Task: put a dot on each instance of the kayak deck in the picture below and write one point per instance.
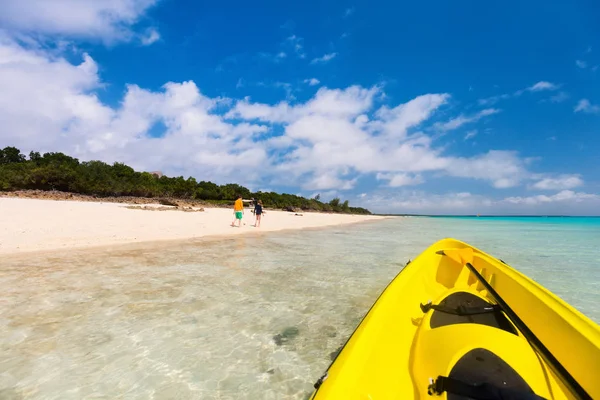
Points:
(436, 319)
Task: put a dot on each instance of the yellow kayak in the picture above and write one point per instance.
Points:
(457, 323)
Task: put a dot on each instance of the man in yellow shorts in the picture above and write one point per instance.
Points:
(238, 210)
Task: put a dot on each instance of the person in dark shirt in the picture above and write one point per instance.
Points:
(258, 211)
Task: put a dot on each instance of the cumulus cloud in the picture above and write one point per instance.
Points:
(502, 168)
(565, 202)
(328, 142)
(563, 196)
(396, 121)
(91, 19)
(338, 132)
(330, 102)
(48, 104)
(398, 180)
(312, 81)
(327, 181)
(42, 96)
(559, 183)
(420, 202)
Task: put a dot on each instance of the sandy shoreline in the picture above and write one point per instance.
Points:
(32, 225)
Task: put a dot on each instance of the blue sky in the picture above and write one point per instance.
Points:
(436, 107)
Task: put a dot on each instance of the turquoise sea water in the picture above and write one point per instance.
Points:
(255, 317)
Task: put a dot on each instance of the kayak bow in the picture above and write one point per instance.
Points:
(458, 323)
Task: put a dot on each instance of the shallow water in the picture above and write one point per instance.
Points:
(254, 317)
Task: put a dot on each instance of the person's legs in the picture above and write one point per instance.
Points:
(257, 224)
(238, 216)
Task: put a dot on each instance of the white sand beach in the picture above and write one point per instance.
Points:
(37, 225)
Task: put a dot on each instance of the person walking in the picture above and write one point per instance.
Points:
(238, 211)
(258, 211)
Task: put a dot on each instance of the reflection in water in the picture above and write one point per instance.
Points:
(247, 317)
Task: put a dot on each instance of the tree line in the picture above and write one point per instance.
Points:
(58, 171)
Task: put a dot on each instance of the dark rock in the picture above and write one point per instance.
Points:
(168, 202)
(334, 354)
(287, 335)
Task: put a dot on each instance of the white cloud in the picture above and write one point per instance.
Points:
(396, 121)
(330, 102)
(332, 133)
(312, 81)
(324, 59)
(471, 134)
(565, 202)
(581, 64)
(563, 196)
(542, 85)
(335, 134)
(461, 119)
(151, 36)
(398, 180)
(419, 202)
(559, 97)
(110, 21)
(504, 169)
(48, 104)
(559, 183)
(585, 106)
(40, 91)
(329, 141)
(537, 87)
(492, 100)
(327, 181)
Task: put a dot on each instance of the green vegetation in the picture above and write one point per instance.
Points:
(57, 171)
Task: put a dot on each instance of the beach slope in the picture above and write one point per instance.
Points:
(36, 225)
